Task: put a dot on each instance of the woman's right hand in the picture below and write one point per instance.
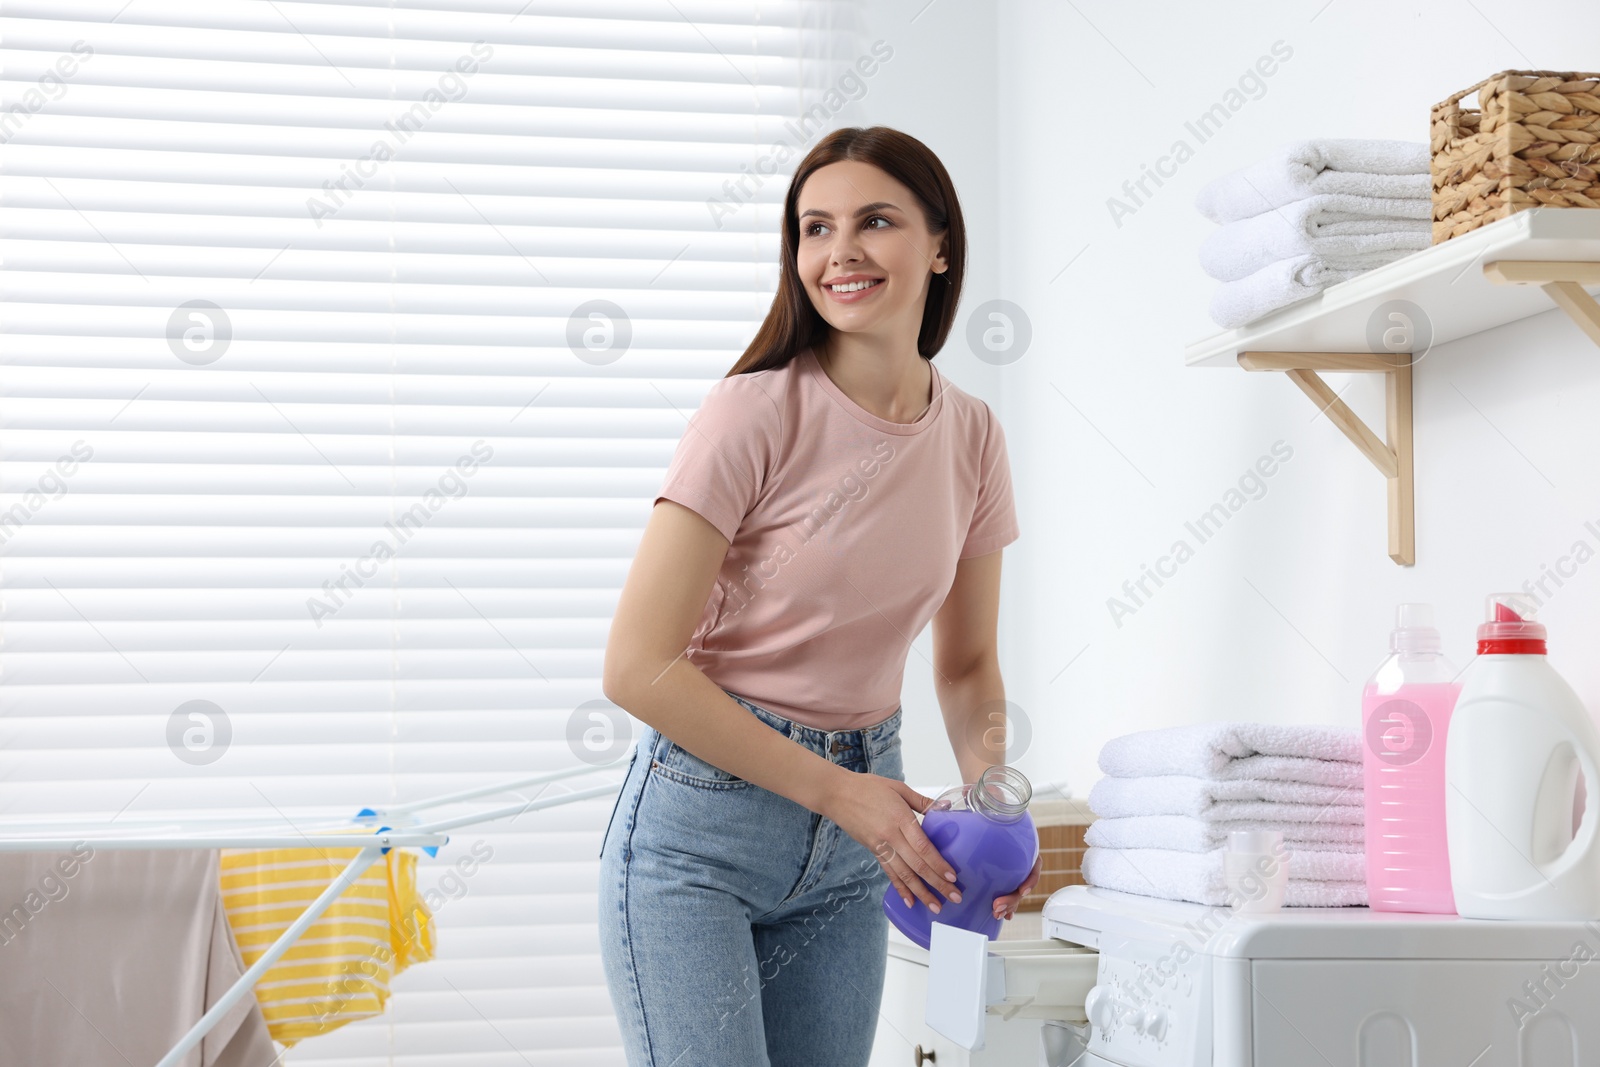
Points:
(881, 813)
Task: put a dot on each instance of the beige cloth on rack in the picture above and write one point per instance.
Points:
(108, 958)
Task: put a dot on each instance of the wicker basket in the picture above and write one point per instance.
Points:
(1061, 822)
(1533, 142)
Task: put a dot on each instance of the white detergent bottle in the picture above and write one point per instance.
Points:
(1518, 740)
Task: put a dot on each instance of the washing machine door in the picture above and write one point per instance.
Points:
(1064, 1044)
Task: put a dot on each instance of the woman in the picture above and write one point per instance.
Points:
(832, 495)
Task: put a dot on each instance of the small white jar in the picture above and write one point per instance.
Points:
(1255, 868)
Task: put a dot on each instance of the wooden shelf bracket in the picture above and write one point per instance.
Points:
(1563, 281)
(1391, 454)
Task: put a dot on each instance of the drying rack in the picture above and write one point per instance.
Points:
(406, 831)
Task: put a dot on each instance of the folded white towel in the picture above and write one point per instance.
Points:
(1277, 285)
(1236, 751)
(1316, 879)
(1313, 227)
(1206, 798)
(1185, 833)
(1307, 168)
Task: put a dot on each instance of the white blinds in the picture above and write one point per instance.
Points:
(297, 418)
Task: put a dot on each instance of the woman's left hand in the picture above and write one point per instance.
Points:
(1005, 907)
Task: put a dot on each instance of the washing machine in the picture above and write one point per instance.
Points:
(1130, 981)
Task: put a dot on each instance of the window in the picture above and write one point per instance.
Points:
(345, 345)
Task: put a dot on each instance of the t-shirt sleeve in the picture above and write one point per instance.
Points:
(994, 520)
(722, 459)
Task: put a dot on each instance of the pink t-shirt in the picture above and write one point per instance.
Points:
(843, 528)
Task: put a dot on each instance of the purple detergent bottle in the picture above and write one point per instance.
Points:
(984, 831)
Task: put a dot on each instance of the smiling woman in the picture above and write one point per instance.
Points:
(769, 788)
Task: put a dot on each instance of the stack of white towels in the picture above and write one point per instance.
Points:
(1315, 213)
(1172, 796)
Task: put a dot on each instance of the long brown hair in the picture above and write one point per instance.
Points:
(793, 322)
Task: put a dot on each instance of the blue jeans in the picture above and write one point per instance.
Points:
(738, 928)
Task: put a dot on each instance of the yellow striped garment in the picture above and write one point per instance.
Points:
(339, 969)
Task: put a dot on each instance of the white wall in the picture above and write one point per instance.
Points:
(1284, 613)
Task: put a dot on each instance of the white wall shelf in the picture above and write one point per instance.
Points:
(1468, 284)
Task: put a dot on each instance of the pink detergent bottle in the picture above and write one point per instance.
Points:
(1405, 716)
(984, 831)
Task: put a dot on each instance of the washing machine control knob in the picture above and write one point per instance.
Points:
(1155, 1023)
(1107, 1011)
(1101, 1007)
